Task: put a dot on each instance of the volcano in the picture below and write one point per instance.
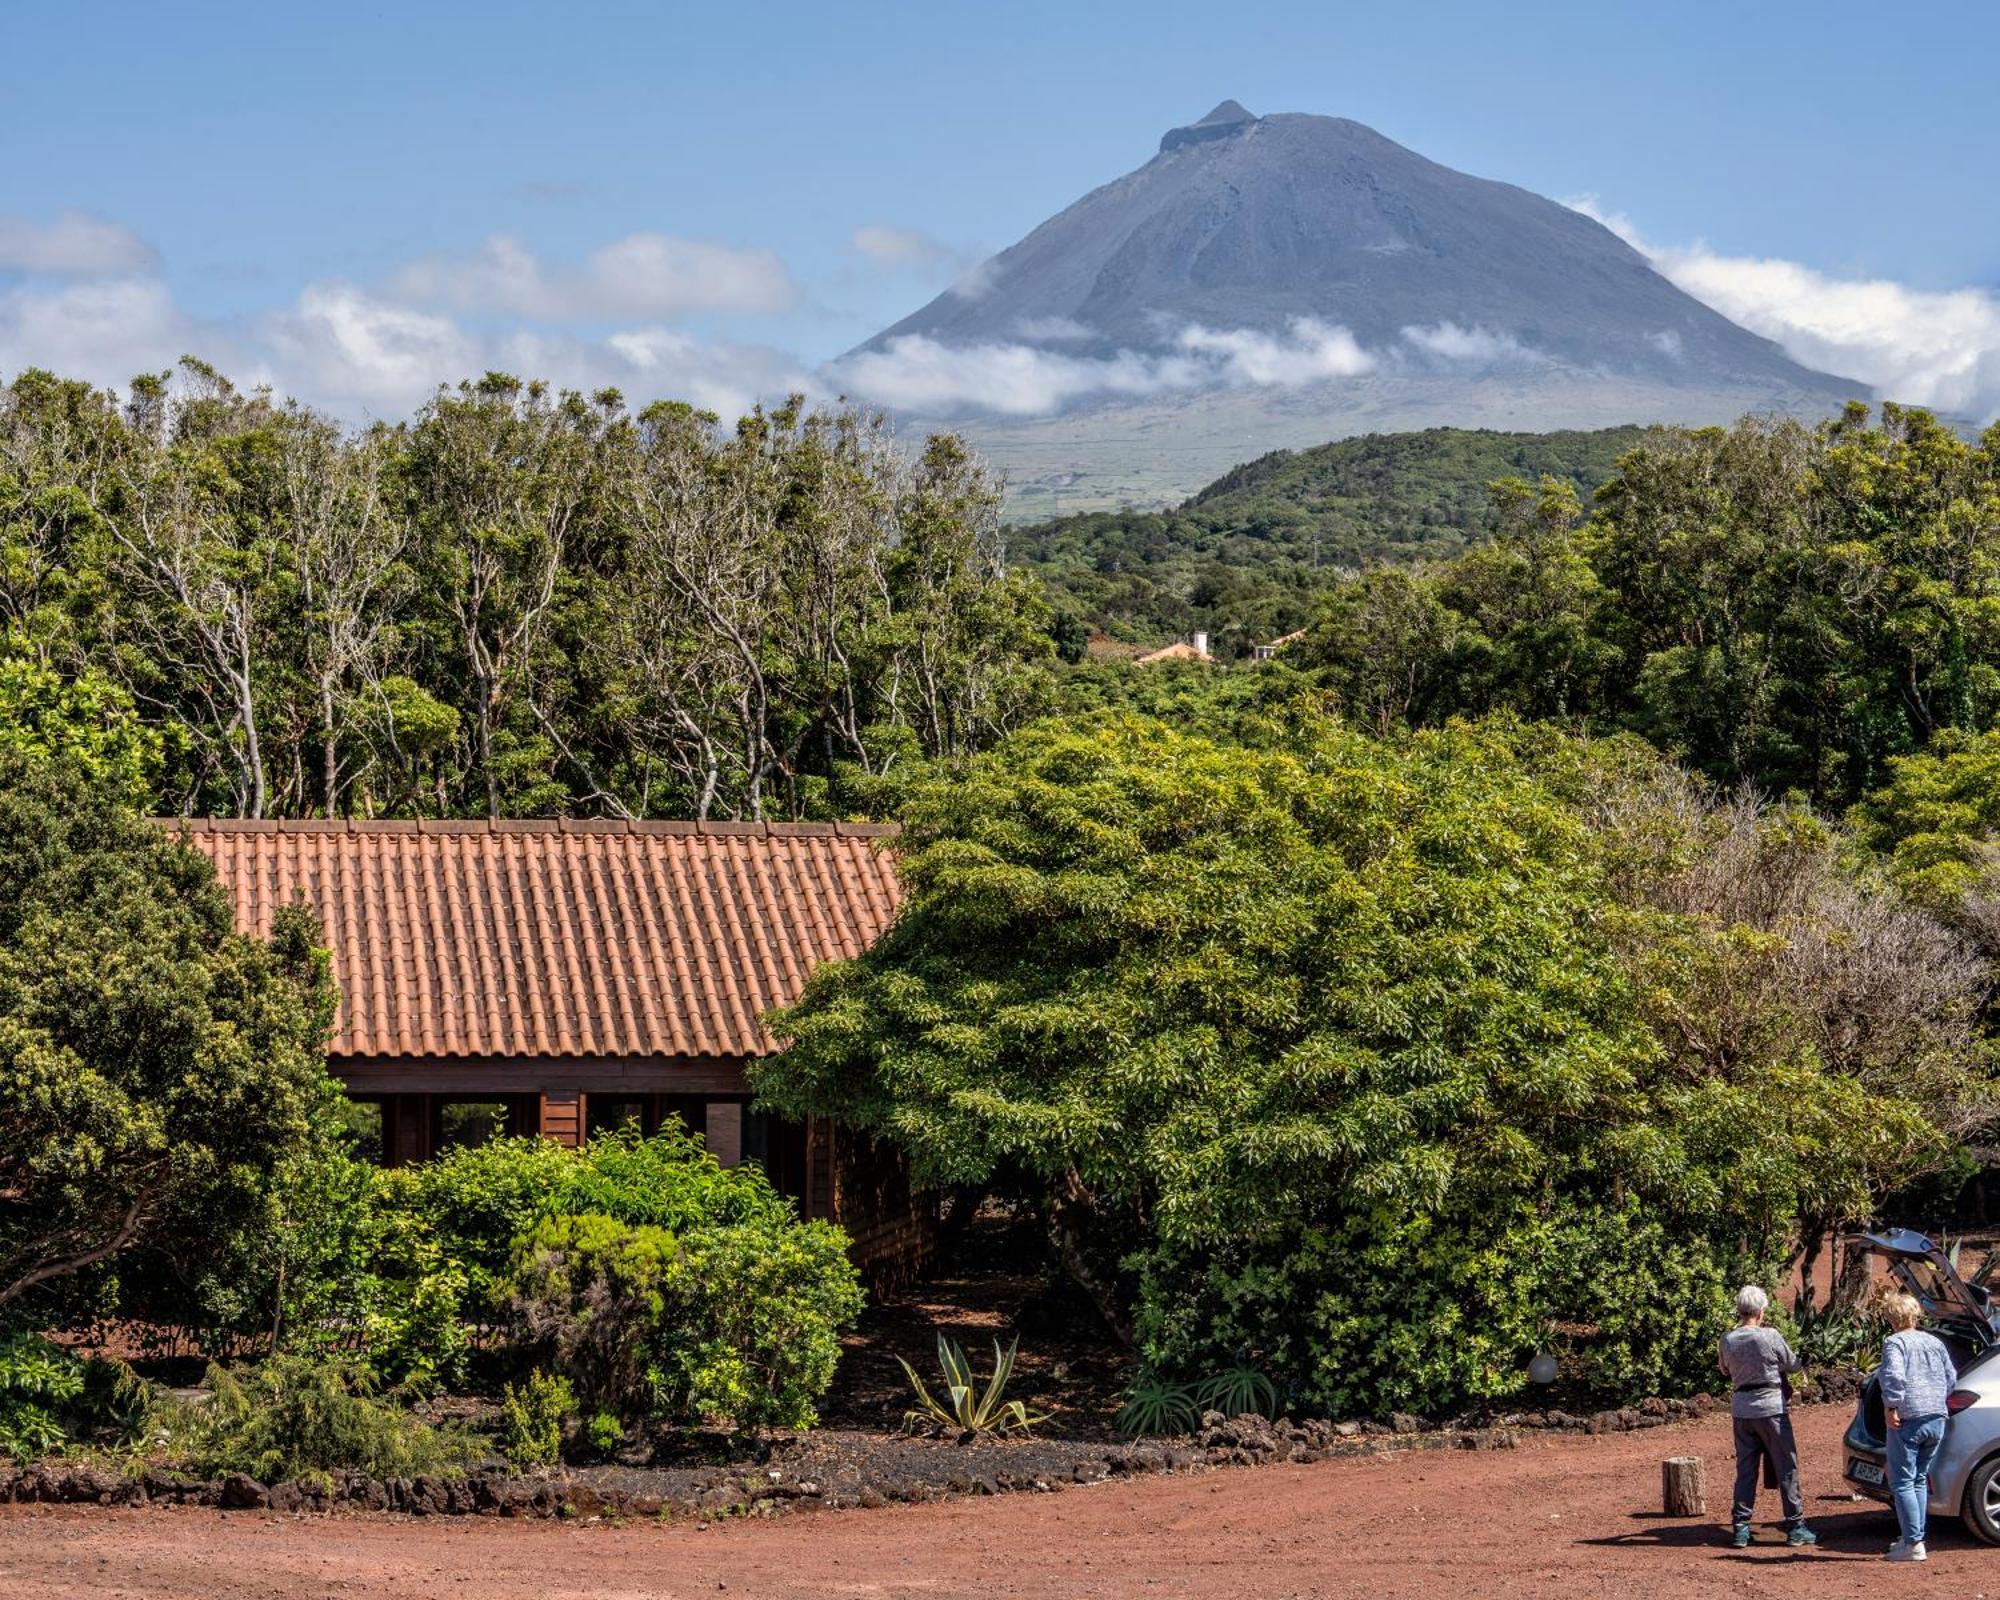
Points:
(1288, 279)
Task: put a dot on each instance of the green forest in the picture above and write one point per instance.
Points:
(520, 603)
(1571, 924)
(1243, 558)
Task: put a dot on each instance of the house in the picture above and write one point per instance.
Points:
(1264, 652)
(1192, 648)
(568, 978)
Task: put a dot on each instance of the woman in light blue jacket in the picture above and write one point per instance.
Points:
(1916, 1375)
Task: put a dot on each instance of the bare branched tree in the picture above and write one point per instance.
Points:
(347, 548)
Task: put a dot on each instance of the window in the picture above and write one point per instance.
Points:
(607, 1113)
(465, 1122)
(363, 1121)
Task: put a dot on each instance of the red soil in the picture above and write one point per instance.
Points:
(1557, 1517)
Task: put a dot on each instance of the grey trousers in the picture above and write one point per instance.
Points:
(1760, 1440)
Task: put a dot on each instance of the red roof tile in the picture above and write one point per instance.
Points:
(562, 939)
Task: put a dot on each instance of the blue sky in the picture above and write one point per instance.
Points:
(309, 193)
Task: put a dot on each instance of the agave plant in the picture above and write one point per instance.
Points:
(1238, 1390)
(966, 1407)
(1152, 1408)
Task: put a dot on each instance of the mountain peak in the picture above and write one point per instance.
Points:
(1253, 248)
(1226, 119)
(1228, 111)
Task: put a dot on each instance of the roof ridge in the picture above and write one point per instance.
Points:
(643, 827)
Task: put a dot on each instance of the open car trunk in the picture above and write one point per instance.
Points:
(1961, 1313)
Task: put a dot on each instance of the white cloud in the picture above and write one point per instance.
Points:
(642, 275)
(900, 247)
(976, 281)
(720, 377)
(1053, 330)
(1314, 352)
(343, 348)
(73, 244)
(920, 374)
(104, 332)
(1447, 341)
(354, 352)
(1938, 348)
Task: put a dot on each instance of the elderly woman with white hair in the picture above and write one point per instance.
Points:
(1757, 1359)
(1916, 1375)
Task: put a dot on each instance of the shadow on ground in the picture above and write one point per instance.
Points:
(1848, 1530)
(992, 1281)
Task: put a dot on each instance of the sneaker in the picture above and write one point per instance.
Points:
(1803, 1536)
(1905, 1550)
(1741, 1537)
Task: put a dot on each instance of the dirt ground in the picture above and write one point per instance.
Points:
(1566, 1516)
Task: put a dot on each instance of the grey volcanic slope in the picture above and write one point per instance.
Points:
(1252, 222)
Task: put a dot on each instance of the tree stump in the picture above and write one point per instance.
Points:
(1681, 1487)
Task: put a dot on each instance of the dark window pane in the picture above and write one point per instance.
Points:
(607, 1113)
(470, 1122)
(363, 1121)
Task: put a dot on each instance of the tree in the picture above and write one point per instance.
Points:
(525, 602)
(149, 1055)
(1935, 821)
(1341, 1054)
(1778, 605)
(797, 598)
(1192, 988)
(347, 548)
(1389, 648)
(88, 723)
(192, 547)
(496, 472)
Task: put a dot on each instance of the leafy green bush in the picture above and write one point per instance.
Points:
(416, 1326)
(290, 1417)
(1394, 1313)
(604, 1433)
(532, 1418)
(450, 1228)
(463, 1212)
(38, 1382)
(738, 1323)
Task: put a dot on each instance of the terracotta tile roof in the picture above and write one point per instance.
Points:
(1179, 650)
(593, 939)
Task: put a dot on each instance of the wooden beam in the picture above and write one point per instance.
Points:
(477, 1077)
(562, 1117)
(724, 1132)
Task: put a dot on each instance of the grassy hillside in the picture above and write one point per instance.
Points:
(1242, 557)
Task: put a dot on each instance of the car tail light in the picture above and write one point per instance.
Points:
(1958, 1400)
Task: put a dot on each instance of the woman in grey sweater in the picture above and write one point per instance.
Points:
(1916, 1375)
(1757, 1360)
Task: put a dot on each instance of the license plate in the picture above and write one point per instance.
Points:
(1865, 1472)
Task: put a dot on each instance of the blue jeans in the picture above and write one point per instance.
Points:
(1912, 1448)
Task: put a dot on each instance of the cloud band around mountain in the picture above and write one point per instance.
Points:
(85, 296)
(1936, 348)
